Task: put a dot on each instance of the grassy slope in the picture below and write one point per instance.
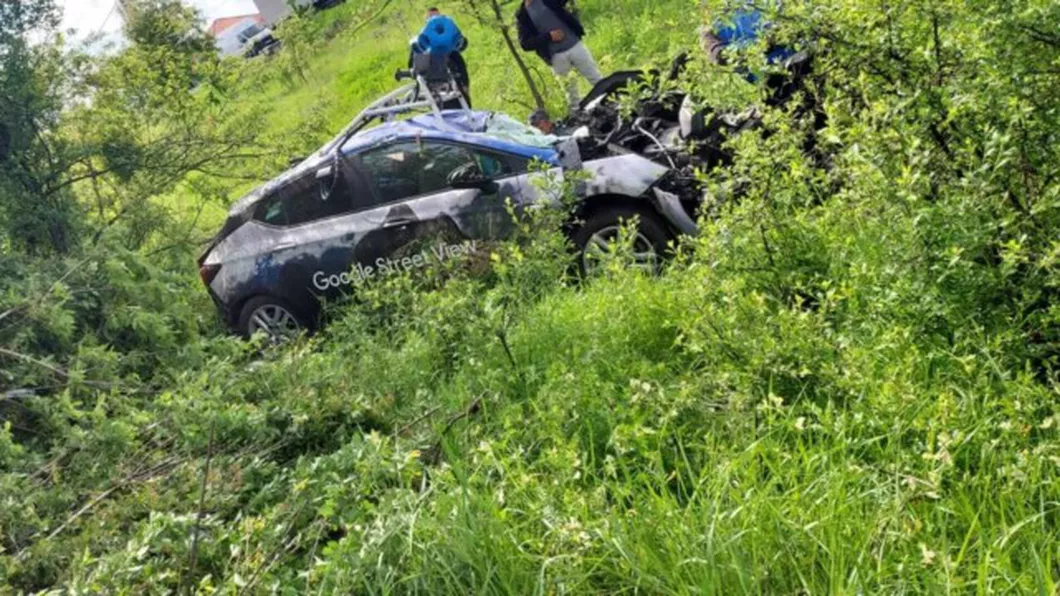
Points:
(699, 433)
(786, 490)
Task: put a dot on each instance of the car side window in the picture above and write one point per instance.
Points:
(493, 166)
(514, 164)
(498, 165)
(408, 169)
(439, 160)
(393, 171)
(306, 199)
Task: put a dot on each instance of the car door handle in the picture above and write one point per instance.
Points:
(399, 222)
(284, 246)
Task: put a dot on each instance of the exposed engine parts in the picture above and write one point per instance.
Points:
(635, 112)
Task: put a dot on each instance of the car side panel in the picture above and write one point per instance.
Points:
(412, 234)
(319, 260)
(261, 260)
(305, 263)
(626, 175)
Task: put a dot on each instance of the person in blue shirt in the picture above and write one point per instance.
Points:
(442, 38)
(742, 28)
(739, 30)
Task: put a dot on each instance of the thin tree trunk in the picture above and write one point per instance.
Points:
(538, 98)
(190, 575)
(506, 33)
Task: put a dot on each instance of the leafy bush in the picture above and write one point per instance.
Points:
(846, 383)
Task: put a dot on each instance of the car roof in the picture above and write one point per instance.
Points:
(460, 126)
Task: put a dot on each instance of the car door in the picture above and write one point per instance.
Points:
(314, 223)
(420, 218)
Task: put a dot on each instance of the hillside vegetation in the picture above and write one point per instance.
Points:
(846, 384)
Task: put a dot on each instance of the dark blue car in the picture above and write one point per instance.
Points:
(345, 214)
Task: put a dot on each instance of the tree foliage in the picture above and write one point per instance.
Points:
(492, 14)
(845, 384)
(90, 140)
(38, 211)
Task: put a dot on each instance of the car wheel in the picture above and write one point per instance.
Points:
(271, 316)
(597, 239)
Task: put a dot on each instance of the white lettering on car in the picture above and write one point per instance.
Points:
(316, 281)
(385, 266)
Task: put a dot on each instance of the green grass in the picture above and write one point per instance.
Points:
(839, 387)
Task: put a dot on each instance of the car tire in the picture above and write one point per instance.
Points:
(277, 319)
(594, 237)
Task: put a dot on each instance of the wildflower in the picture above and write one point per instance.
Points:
(927, 556)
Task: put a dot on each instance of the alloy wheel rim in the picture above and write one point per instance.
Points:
(275, 321)
(601, 246)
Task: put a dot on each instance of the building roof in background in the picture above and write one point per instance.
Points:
(218, 26)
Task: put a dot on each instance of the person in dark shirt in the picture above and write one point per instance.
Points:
(540, 120)
(555, 34)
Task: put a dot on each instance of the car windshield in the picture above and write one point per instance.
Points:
(250, 31)
(506, 128)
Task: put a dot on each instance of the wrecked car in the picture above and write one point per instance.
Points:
(344, 214)
(647, 113)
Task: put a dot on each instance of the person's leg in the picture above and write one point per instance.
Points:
(583, 60)
(562, 64)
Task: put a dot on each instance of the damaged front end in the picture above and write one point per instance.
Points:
(624, 114)
(678, 196)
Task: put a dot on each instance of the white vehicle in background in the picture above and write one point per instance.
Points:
(275, 11)
(255, 40)
(242, 35)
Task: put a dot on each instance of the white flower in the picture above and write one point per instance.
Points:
(927, 556)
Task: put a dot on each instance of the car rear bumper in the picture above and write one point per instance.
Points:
(224, 310)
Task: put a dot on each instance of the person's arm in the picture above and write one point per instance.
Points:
(567, 11)
(712, 45)
(529, 38)
(461, 45)
(568, 5)
(524, 35)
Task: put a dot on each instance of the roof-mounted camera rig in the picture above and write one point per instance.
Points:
(432, 89)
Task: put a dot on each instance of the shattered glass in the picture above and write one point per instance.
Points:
(506, 128)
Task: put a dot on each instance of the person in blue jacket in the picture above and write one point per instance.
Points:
(741, 28)
(738, 30)
(443, 40)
